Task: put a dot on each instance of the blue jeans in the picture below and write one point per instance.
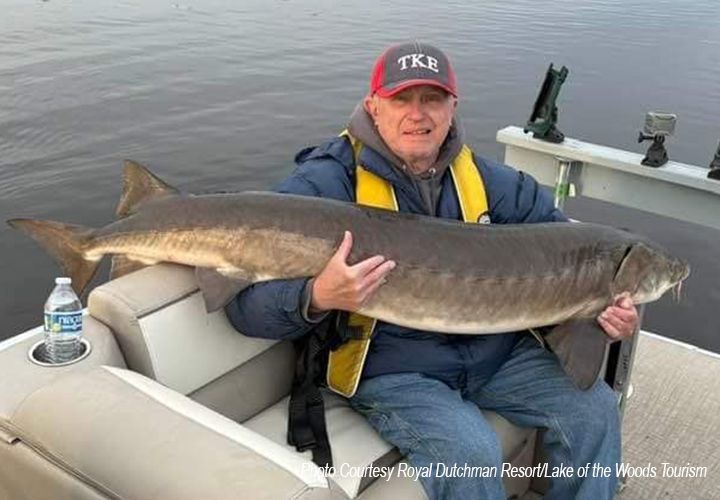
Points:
(433, 423)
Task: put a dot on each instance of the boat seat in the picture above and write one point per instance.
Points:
(127, 437)
(158, 317)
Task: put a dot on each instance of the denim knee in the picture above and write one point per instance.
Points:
(599, 409)
(432, 425)
(592, 424)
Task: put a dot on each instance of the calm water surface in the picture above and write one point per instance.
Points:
(219, 95)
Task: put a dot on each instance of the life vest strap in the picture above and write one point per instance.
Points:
(346, 363)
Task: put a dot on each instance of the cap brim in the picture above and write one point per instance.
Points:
(390, 91)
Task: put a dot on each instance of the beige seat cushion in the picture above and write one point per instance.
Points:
(131, 438)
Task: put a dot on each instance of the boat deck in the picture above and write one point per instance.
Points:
(673, 416)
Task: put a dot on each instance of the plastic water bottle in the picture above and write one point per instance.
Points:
(63, 323)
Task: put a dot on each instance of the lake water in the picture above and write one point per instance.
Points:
(219, 95)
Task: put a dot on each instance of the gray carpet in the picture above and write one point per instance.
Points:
(673, 416)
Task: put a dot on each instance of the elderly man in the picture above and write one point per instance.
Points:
(421, 391)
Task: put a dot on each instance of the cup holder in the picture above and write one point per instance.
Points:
(38, 354)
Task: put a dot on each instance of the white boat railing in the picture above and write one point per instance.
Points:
(674, 190)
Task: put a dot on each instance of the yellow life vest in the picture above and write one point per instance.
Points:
(345, 364)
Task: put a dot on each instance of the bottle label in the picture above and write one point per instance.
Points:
(63, 322)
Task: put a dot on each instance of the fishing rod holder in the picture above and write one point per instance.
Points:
(657, 127)
(565, 187)
(544, 116)
(715, 166)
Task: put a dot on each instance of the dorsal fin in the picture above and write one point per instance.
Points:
(139, 184)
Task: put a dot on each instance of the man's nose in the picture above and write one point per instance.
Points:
(416, 111)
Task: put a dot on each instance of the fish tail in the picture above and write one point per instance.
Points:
(66, 243)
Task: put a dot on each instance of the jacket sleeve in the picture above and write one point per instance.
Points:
(534, 203)
(274, 309)
(515, 197)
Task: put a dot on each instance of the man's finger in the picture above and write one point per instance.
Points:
(609, 329)
(343, 251)
(614, 321)
(626, 315)
(380, 272)
(373, 288)
(366, 266)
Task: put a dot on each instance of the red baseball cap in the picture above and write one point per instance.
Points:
(410, 64)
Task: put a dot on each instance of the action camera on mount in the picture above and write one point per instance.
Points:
(657, 127)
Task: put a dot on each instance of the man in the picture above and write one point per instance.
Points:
(421, 390)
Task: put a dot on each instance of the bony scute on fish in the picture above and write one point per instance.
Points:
(450, 277)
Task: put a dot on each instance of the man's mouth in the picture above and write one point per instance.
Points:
(421, 131)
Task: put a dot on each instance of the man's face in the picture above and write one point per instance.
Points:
(414, 122)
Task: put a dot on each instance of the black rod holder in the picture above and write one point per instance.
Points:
(544, 115)
(715, 166)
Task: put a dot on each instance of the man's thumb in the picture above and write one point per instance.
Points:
(624, 300)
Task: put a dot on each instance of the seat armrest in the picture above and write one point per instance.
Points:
(159, 318)
(20, 377)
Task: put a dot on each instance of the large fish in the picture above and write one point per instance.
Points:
(450, 277)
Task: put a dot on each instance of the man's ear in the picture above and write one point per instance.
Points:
(370, 105)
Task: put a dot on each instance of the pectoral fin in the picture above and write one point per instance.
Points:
(581, 346)
(218, 289)
(122, 265)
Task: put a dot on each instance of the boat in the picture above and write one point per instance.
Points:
(170, 402)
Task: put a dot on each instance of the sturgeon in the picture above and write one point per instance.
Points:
(451, 277)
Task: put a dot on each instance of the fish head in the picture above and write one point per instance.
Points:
(647, 271)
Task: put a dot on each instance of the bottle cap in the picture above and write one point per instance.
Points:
(63, 281)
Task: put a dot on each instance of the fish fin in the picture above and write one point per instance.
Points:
(581, 347)
(218, 289)
(139, 184)
(66, 243)
(122, 265)
(626, 277)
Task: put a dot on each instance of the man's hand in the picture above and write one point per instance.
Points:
(344, 287)
(619, 320)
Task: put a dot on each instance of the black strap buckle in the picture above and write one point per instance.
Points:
(306, 413)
